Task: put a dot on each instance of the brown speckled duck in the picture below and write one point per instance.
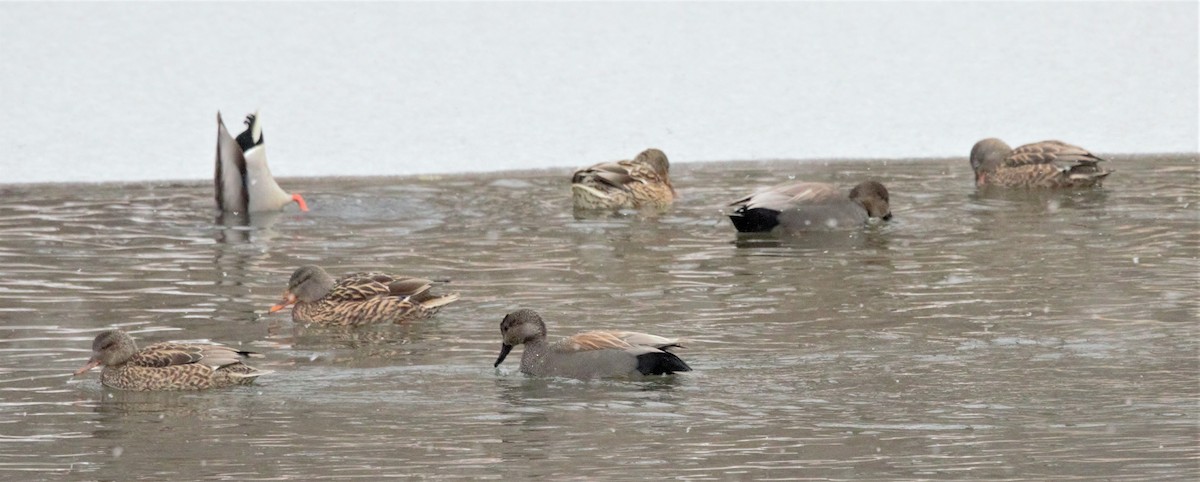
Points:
(593, 354)
(803, 206)
(359, 298)
(640, 183)
(1046, 164)
(167, 366)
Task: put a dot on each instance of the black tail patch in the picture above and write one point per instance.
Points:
(245, 140)
(757, 220)
(660, 363)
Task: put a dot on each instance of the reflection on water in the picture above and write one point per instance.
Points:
(1024, 335)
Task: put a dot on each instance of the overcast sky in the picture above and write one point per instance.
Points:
(97, 92)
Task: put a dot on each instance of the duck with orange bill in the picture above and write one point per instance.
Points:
(243, 181)
(359, 298)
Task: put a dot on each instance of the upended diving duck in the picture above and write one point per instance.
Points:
(805, 206)
(1046, 164)
(359, 298)
(243, 181)
(168, 365)
(631, 184)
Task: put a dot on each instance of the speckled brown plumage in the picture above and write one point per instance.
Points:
(167, 366)
(1046, 164)
(643, 182)
(359, 298)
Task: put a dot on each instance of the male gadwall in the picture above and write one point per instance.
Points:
(359, 298)
(167, 366)
(801, 206)
(640, 183)
(594, 354)
(243, 180)
(1049, 164)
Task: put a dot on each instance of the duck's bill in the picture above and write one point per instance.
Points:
(288, 299)
(92, 363)
(504, 349)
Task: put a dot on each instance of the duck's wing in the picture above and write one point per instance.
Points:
(645, 339)
(230, 176)
(615, 340)
(359, 287)
(614, 174)
(592, 340)
(161, 355)
(784, 196)
(1060, 154)
(417, 288)
(366, 285)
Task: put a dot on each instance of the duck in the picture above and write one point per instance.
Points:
(359, 298)
(593, 354)
(801, 206)
(1045, 164)
(640, 183)
(167, 366)
(242, 179)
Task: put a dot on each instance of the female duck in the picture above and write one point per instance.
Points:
(1046, 164)
(359, 298)
(802, 206)
(640, 183)
(167, 366)
(594, 354)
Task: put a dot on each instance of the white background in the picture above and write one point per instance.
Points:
(101, 92)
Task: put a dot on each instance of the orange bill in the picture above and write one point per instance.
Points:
(288, 299)
(92, 363)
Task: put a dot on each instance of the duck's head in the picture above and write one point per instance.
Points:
(308, 284)
(986, 156)
(873, 197)
(112, 347)
(656, 159)
(519, 327)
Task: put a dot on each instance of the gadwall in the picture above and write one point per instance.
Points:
(243, 180)
(594, 354)
(640, 183)
(801, 206)
(167, 366)
(1048, 164)
(359, 298)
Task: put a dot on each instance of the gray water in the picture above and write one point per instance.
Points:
(1027, 337)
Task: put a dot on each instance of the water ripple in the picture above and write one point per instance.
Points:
(981, 335)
